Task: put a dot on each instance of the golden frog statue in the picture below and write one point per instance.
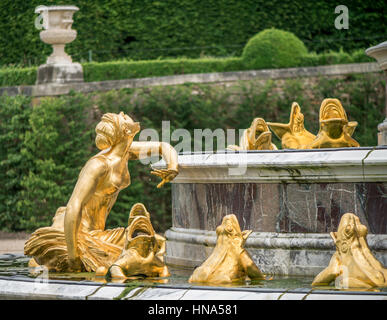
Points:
(335, 129)
(257, 137)
(143, 252)
(293, 135)
(229, 262)
(352, 265)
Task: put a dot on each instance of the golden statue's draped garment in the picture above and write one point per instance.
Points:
(77, 239)
(98, 247)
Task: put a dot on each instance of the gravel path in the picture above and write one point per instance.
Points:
(12, 242)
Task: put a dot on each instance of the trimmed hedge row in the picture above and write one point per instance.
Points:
(17, 76)
(43, 148)
(117, 70)
(154, 68)
(150, 29)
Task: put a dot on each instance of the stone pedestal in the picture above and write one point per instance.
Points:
(59, 68)
(382, 134)
(379, 52)
(290, 199)
(60, 73)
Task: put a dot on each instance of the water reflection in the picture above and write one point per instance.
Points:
(12, 266)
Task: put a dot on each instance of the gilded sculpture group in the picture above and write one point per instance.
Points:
(335, 131)
(77, 240)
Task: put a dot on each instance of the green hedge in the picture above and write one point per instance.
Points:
(117, 70)
(17, 76)
(272, 48)
(153, 68)
(43, 148)
(150, 29)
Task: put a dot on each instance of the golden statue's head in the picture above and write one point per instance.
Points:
(140, 236)
(333, 117)
(229, 261)
(259, 135)
(230, 228)
(353, 264)
(349, 228)
(331, 110)
(113, 128)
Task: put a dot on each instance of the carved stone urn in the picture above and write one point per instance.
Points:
(59, 67)
(379, 52)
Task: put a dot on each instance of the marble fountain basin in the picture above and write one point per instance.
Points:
(290, 199)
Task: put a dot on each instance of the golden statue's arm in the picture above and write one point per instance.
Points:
(145, 149)
(84, 189)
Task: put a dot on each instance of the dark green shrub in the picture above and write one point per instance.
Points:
(150, 29)
(273, 48)
(57, 145)
(14, 123)
(43, 148)
(17, 76)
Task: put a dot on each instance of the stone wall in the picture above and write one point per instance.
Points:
(224, 77)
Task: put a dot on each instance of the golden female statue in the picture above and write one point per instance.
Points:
(77, 239)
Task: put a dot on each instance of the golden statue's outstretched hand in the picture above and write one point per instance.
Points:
(167, 175)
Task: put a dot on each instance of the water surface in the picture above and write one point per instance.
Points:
(12, 266)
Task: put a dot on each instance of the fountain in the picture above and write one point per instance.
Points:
(291, 199)
(289, 204)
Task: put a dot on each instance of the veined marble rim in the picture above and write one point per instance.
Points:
(271, 240)
(367, 164)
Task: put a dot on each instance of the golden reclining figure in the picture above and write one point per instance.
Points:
(77, 239)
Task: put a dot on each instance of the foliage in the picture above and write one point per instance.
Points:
(149, 29)
(331, 58)
(117, 70)
(272, 48)
(58, 143)
(44, 148)
(17, 76)
(153, 68)
(14, 123)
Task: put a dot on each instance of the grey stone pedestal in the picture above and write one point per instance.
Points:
(60, 73)
(382, 134)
